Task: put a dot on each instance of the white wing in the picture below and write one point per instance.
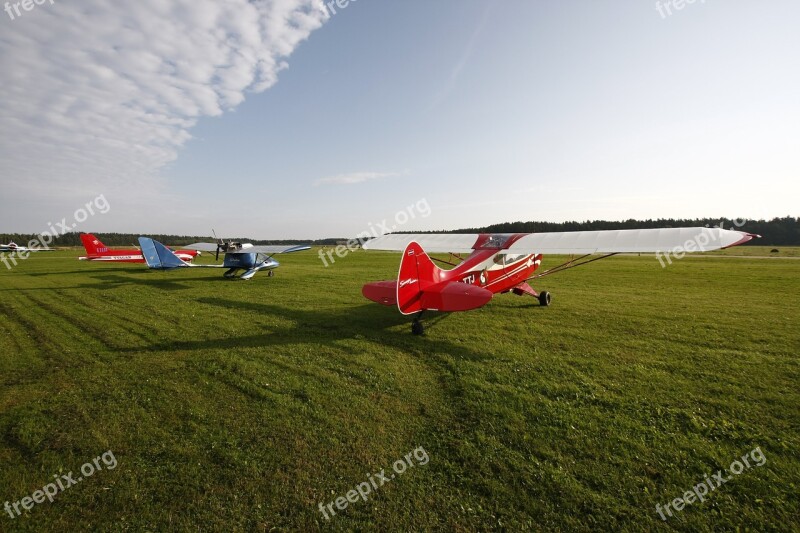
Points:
(630, 241)
(275, 249)
(201, 246)
(249, 249)
(576, 242)
(438, 243)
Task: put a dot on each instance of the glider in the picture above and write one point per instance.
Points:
(97, 251)
(500, 263)
(238, 256)
(14, 247)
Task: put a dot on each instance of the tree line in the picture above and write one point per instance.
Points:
(776, 232)
(132, 239)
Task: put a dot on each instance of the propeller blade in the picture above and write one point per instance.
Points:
(219, 243)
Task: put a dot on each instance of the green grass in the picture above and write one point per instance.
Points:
(760, 251)
(243, 405)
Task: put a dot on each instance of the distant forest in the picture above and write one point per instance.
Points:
(776, 232)
(131, 239)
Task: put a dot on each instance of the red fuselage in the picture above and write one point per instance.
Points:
(130, 256)
(492, 271)
(421, 285)
(495, 272)
(97, 251)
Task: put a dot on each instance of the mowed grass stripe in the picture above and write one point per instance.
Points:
(43, 328)
(82, 333)
(124, 323)
(19, 348)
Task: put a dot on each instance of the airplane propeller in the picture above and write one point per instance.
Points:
(223, 246)
(220, 245)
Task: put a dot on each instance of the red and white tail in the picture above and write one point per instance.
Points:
(421, 285)
(93, 245)
(417, 273)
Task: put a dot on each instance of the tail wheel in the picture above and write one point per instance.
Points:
(544, 298)
(271, 273)
(417, 328)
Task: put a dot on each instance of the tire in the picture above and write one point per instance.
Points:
(544, 298)
(417, 328)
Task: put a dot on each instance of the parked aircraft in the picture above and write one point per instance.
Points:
(238, 256)
(97, 251)
(500, 263)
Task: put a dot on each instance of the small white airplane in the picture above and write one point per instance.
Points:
(14, 247)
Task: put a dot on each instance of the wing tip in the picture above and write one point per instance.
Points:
(745, 238)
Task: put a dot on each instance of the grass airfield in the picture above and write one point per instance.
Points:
(241, 406)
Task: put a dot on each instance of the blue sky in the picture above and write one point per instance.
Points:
(488, 111)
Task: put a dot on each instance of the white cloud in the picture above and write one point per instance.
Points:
(99, 96)
(355, 177)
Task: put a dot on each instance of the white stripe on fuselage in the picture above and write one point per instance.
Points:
(184, 257)
(523, 264)
(117, 258)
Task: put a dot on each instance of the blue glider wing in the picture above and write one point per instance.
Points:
(159, 256)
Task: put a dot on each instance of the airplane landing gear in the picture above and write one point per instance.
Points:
(417, 328)
(271, 273)
(544, 298)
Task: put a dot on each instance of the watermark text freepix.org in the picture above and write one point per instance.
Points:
(665, 8)
(711, 483)
(692, 245)
(402, 217)
(13, 8)
(329, 6)
(98, 205)
(62, 483)
(374, 481)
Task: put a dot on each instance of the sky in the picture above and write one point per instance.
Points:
(287, 119)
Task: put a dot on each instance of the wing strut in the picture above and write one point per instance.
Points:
(447, 261)
(572, 263)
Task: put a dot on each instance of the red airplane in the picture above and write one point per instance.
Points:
(500, 263)
(97, 251)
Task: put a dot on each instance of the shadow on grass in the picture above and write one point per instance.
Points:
(130, 269)
(370, 322)
(111, 278)
(161, 279)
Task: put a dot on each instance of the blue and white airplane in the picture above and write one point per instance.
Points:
(238, 256)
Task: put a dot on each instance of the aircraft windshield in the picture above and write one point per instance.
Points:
(496, 241)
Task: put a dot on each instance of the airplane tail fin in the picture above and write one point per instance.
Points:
(158, 256)
(420, 286)
(93, 245)
(417, 273)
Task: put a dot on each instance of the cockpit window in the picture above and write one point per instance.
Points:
(497, 241)
(513, 258)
